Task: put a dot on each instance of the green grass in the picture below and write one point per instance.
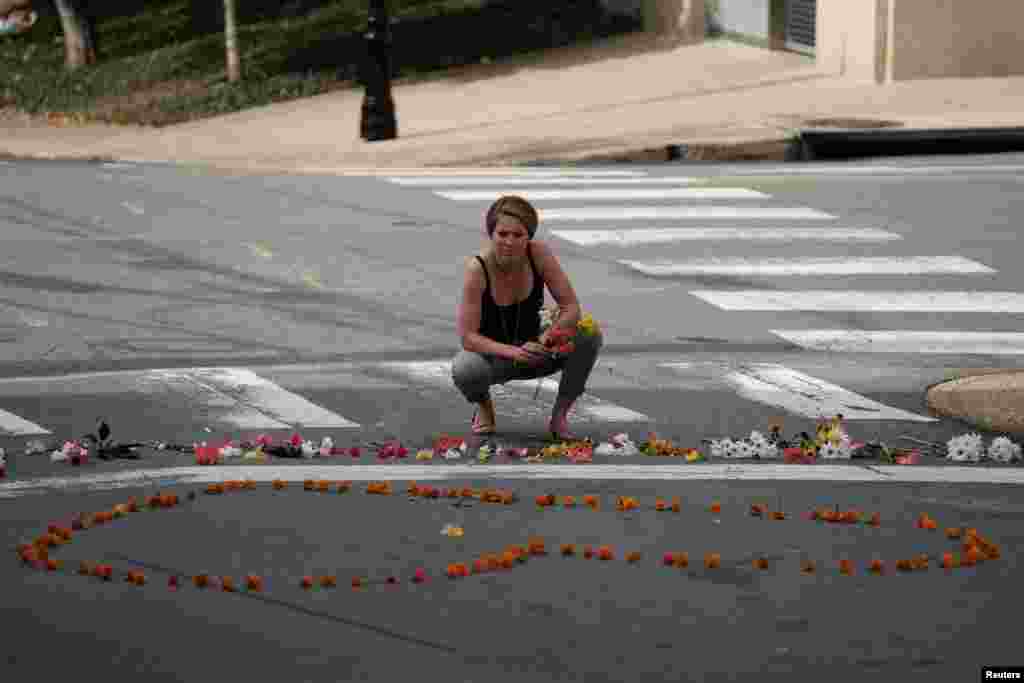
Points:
(165, 65)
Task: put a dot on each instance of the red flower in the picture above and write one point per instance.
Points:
(296, 440)
(354, 452)
(420, 576)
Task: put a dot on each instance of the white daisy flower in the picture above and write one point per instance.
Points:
(326, 444)
(768, 450)
(229, 451)
(1003, 450)
(965, 448)
(308, 449)
(453, 453)
(831, 451)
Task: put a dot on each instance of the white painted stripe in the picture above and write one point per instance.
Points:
(876, 301)
(536, 195)
(470, 181)
(240, 397)
(516, 397)
(641, 236)
(12, 425)
(881, 265)
(801, 394)
(499, 472)
(622, 213)
(908, 341)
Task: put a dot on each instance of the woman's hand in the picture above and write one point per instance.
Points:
(530, 354)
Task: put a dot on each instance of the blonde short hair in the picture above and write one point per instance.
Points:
(516, 207)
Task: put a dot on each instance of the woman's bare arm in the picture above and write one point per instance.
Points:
(560, 287)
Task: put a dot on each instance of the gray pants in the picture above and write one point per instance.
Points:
(475, 373)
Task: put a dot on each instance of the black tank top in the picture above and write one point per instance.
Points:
(492, 314)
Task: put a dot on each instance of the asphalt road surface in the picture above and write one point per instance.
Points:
(187, 304)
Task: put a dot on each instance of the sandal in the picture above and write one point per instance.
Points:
(481, 427)
(560, 430)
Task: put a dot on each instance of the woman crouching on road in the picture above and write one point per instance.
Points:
(499, 318)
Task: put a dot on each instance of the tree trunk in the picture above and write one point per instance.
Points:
(79, 38)
(231, 41)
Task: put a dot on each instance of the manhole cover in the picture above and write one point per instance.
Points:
(851, 123)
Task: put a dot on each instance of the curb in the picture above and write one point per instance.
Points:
(842, 143)
(770, 149)
(815, 144)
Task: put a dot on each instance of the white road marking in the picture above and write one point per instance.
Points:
(12, 425)
(872, 265)
(500, 473)
(559, 179)
(535, 195)
(801, 394)
(641, 236)
(240, 397)
(907, 341)
(874, 301)
(622, 213)
(516, 398)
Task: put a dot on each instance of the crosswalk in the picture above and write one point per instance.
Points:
(569, 199)
(580, 207)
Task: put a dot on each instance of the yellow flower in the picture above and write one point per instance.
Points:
(587, 325)
(425, 454)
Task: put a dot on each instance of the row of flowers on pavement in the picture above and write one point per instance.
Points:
(974, 548)
(831, 442)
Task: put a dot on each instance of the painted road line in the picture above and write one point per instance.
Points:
(516, 397)
(777, 385)
(761, 471)
(242, 398)
(536, 195)
(625, 213)
(12, 425)
(642, 236)
(873, 301)
(908, 341)
(787, 266)
(532, 180)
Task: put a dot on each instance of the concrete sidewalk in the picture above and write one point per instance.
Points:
(623, 99)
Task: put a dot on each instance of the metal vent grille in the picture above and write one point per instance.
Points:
(800, 24)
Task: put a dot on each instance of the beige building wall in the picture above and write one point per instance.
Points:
(955, 39)
(851, 37)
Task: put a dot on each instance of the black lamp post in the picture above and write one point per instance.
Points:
(378, 112)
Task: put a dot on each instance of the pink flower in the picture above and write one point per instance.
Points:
(296, 440)
(354, 452)
(263, 440)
